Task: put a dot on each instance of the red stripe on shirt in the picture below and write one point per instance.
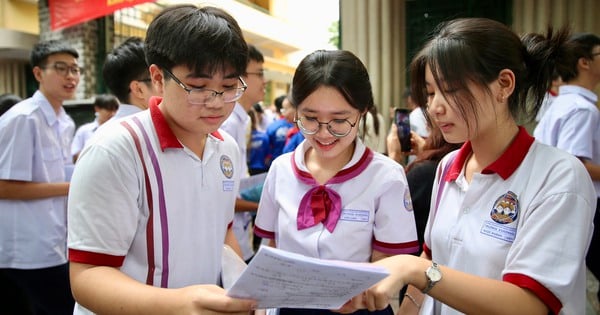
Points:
(263, 233)
(98, 259)
(396, 248)
(537, 288)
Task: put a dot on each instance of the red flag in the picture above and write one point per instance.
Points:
(65, 13)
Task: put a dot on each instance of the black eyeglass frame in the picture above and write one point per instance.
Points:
(58, 68)
(214, 93)
(298, 121)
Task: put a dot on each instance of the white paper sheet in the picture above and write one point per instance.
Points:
(276, 278)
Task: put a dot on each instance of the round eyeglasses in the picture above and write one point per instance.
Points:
(64, 69)
(337, 127)
(204, 96)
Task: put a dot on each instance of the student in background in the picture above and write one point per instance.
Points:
(35, 137)
(105, 107)
(502, 203)
(572, 123)
(126, 75)
(238, 126)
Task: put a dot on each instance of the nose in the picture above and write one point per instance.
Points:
(216, 102)
(435, 104)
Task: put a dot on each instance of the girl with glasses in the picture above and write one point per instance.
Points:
(332, 197)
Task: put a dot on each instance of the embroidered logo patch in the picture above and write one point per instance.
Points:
(226, 166)
(506, 208)
(407, 200)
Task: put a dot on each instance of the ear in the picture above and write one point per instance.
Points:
(135, 90)
(37, 73)
(506, 81)
(156, 74)
(583, 63)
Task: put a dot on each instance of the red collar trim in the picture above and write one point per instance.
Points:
(166, 137)
(504, 166)
(553, 93)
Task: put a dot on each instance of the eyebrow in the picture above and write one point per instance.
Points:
(312, 111)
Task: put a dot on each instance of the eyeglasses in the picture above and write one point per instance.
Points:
(337, 127)
(64, 69)
(205, 96)
(260, 74)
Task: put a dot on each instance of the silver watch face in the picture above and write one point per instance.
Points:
(434, 274)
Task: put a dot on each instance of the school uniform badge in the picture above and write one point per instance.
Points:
(506, 208)
(226, 166)
(504, 212)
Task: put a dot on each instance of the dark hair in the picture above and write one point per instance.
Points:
(106, 101)
(41, 51)
(257, 108)
(435, 148)
(578, 46)
(7, 101)
(254, 54)
(338, 69)
(203, 39)
(279, 102)
(124, 64)
(474, 51)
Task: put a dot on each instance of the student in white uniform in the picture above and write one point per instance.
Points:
(334, 198)
(238, 126)
(35, 163)
(151, 203)
(510, 218)
(105, 107)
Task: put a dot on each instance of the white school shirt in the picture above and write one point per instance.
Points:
(572, 124)
(161, 219)
(376, 209)
(238, 126)
(125, 110)
(82, 135)
(35, 144)
(525, 219)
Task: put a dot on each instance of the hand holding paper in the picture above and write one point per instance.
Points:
(276, 278)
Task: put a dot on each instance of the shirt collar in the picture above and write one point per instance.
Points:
(49, 114)
(576, 89)
(166, 137)
(504, 166)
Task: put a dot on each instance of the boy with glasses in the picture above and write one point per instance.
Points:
(238, 126)
(35, 136)
(146, 234)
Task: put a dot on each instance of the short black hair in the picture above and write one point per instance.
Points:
(7, 101)
(254, 54)
(279, 102)
(578, 46)
(124, 64)
(106, 101)
(205, 39)
(43, 49)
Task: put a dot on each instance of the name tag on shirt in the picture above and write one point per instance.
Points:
(228, 185)
(355, 215)
(499, 231)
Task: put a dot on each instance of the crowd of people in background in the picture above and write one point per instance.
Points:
(477, 205)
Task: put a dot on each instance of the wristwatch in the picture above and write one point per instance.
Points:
(434, 275)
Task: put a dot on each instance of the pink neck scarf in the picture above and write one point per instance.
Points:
(322, 204)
